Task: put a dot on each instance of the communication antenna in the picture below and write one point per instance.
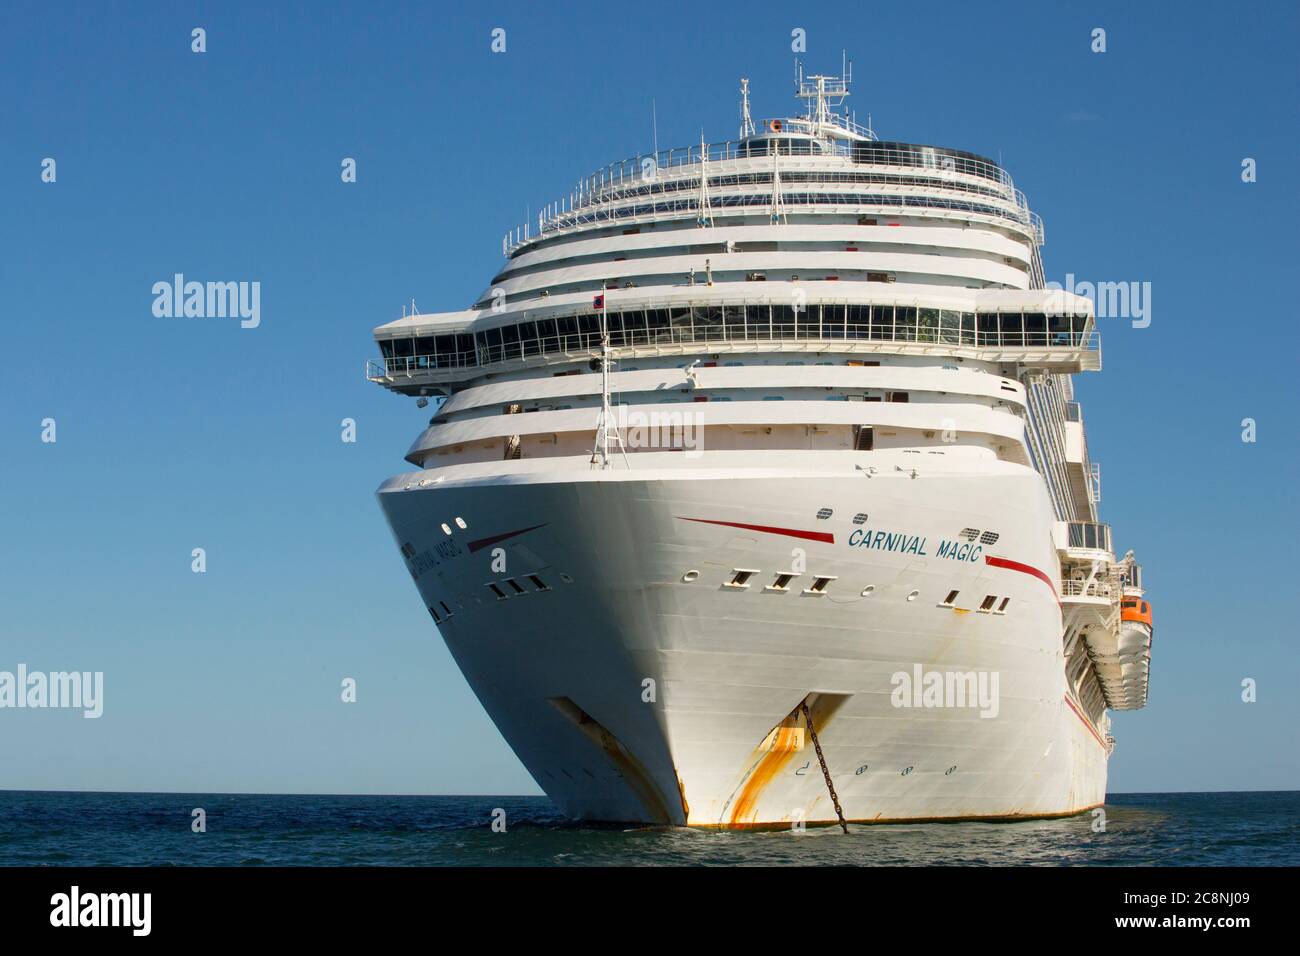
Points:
(654, 124)
(746, 121)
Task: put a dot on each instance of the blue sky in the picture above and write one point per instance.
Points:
(176, 434)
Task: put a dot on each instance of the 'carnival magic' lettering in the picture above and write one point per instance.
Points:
(888, 541)
(959, 551)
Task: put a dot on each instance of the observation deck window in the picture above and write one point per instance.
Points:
(1090, 535)
(1035, 328)
(697, 323)
(1011, 325)
(782, 322)
(833, 321)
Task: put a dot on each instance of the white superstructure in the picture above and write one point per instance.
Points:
(749, 436)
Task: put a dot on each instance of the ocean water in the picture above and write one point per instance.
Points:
(147, 829)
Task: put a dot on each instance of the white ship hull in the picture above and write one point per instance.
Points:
(566, 673)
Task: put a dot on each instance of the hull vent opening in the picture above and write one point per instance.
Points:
(501, 595)
(782, 582)
(819, 585)
(740, 577)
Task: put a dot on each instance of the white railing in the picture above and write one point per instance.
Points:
(685, 206)
(1096, 588)
(589, 202)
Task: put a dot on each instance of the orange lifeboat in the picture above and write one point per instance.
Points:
(1136, 609)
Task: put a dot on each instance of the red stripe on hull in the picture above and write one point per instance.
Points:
(823, 536)
(1023, 569)
(1086, 722)
(482, 543)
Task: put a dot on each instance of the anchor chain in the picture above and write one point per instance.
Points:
(812, 732)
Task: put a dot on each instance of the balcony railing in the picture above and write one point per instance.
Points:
(597, 197)
(656, 208)
(1096, 588)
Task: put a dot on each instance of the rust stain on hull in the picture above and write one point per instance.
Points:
(773, 755)
(764, 771)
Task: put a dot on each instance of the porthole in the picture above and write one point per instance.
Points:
(566, 579)
(690, 576)
(446, 528)
(913, 595)
(460, 523)
(869, 590)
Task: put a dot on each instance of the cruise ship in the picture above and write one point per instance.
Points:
(756, 494)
